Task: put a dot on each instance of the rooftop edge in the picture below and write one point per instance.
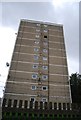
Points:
(47, 23)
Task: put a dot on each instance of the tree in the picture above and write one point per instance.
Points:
(75, 83)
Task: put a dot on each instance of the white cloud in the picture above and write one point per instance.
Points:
(0, 13)
(7, 40)
(73, 66)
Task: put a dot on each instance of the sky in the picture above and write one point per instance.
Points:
(53, 11)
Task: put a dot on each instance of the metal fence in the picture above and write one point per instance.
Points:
(29, 110)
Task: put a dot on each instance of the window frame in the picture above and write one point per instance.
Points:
(45, 31)
(36, 49)
(45, 89)
(45, 25)
(45, 36)
(38, 24)
(34, 77)
(44, 101)
(45, 68)
(37, 36)
(36, 57)
(36, 42)
(35, 67)
(33, 98)
(37, 30)
(45, 43)
(44, 78)
(33, 86)
(45, 50)
(45, 58)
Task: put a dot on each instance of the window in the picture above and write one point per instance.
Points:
(36, 57)
(45, 25)
(45, 40)
(45, 31)
(20, 103)
(45, 50)
(32, 99)
(33, 87)
(44, 87)
(45, 43)
(38, 24)
(44, 58)
(45, 36)
(37, 36)
(9, 102)
(37, 30)
(44, 77)
(36, 42)
(35, 66)
(4, 102)
(34, 76)
(15, 103)
(25, 103)
(36, 49)
(45, 67)
(44, 99)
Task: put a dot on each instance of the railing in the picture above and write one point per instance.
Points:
(39, 105)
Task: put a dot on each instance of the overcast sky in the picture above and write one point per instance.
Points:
(66, 13)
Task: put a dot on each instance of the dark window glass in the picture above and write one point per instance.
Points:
(45, 36)
(15, 103)
(25, 103)
(44, 87)
(20, 104)
(33, 87)
(9, 102)
(4, 102)
(32, 99)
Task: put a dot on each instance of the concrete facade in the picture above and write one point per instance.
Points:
(38, 69)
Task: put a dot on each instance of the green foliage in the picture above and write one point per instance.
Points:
(75, 83)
